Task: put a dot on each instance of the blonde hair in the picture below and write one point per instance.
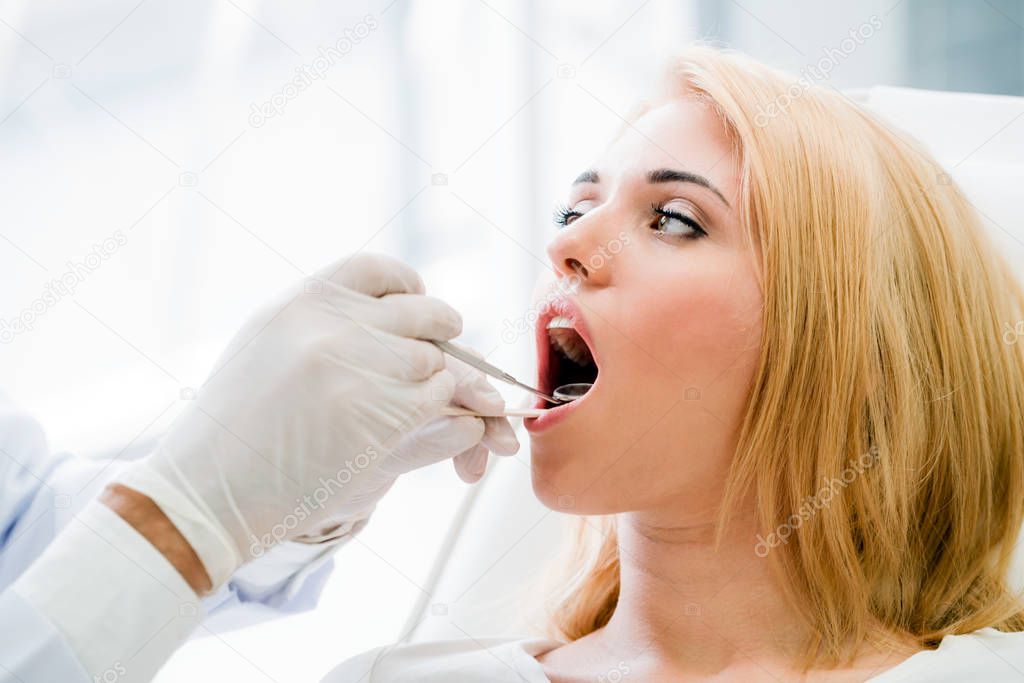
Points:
(883, 307)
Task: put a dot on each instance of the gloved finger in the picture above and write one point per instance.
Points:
(435, 394)
(499, 437)
(438, 440)
(407, 360)
(471, 465)
(373, 274)
(472, 390)
(416, 316)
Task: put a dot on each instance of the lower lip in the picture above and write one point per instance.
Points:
(551, 416)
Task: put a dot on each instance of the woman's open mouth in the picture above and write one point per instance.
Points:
(565, 356)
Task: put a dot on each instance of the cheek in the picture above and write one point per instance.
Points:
(702, 318)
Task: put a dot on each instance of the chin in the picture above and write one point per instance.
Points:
(560, 490)
(569, 482)
(580, 469)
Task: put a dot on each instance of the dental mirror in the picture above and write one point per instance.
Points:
(571, 392)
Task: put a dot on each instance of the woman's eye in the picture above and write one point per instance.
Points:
(565, 216)
(674, 224)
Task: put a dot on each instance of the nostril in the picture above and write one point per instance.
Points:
(576, 266)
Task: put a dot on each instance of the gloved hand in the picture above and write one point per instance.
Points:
(471, 438)
(317, 405)
(473, 391)
(492, 434)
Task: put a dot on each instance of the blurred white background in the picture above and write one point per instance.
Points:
(440, 132)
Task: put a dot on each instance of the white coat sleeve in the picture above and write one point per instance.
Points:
(40, 493)
(49, 620)
(31, 648)
(107, 596)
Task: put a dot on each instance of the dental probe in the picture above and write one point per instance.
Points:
(508, 412)
(492, 371)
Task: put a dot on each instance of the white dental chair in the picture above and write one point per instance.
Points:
(503, 535)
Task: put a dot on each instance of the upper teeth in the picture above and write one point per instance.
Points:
(559, 322)
(566, 339)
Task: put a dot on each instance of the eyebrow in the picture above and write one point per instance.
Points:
(661, 175)
(588, 176)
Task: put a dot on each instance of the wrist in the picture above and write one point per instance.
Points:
(149, 520)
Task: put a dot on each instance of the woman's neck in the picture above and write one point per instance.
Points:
(681, 600)
(686, 609)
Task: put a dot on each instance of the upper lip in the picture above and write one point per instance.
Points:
(565, 307)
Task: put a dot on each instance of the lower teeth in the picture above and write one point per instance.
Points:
(571, 392)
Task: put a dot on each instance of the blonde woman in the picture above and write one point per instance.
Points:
(804, 448)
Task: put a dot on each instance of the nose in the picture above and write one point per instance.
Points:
(579, 251)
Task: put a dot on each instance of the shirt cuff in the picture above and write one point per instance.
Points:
(280, 576)
(112, 595)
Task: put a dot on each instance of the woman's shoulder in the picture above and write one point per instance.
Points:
(468, 659)
(984, 655)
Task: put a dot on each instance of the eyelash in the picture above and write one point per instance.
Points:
(564, 216)
(698, 231)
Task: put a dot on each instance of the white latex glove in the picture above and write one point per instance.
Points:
(473, 391)
(471, 438)
(307, 419)
(468, 439)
